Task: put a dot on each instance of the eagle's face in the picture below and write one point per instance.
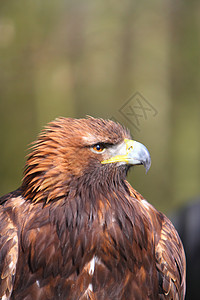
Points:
(96, 142)
(128, 152)
(70, 149)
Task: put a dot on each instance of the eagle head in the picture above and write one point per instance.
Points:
(70, 152)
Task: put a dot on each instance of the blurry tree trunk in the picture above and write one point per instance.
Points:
(185, 86)
(18, 117)
(75, 51)
(125, 48)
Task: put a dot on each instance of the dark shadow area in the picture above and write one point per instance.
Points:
(187, 223)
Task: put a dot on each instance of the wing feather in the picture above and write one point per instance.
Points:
(8, 254)
(169, 252)
(170, 262)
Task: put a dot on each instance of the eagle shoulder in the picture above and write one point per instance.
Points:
(9, 252)
(169, 252)
(170, 262)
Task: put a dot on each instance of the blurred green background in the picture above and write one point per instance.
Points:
(78, 58)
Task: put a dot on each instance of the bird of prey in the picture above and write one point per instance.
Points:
(76, 229)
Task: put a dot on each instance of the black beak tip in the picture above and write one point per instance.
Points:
(147, 165)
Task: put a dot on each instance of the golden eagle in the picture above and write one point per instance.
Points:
(76, 229)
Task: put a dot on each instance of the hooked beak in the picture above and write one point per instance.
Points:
(130, 152)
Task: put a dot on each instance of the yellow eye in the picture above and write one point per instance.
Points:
(98, 148)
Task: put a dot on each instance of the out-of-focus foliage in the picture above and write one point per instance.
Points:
(78, 58)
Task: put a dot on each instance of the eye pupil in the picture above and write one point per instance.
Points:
(98, 147)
